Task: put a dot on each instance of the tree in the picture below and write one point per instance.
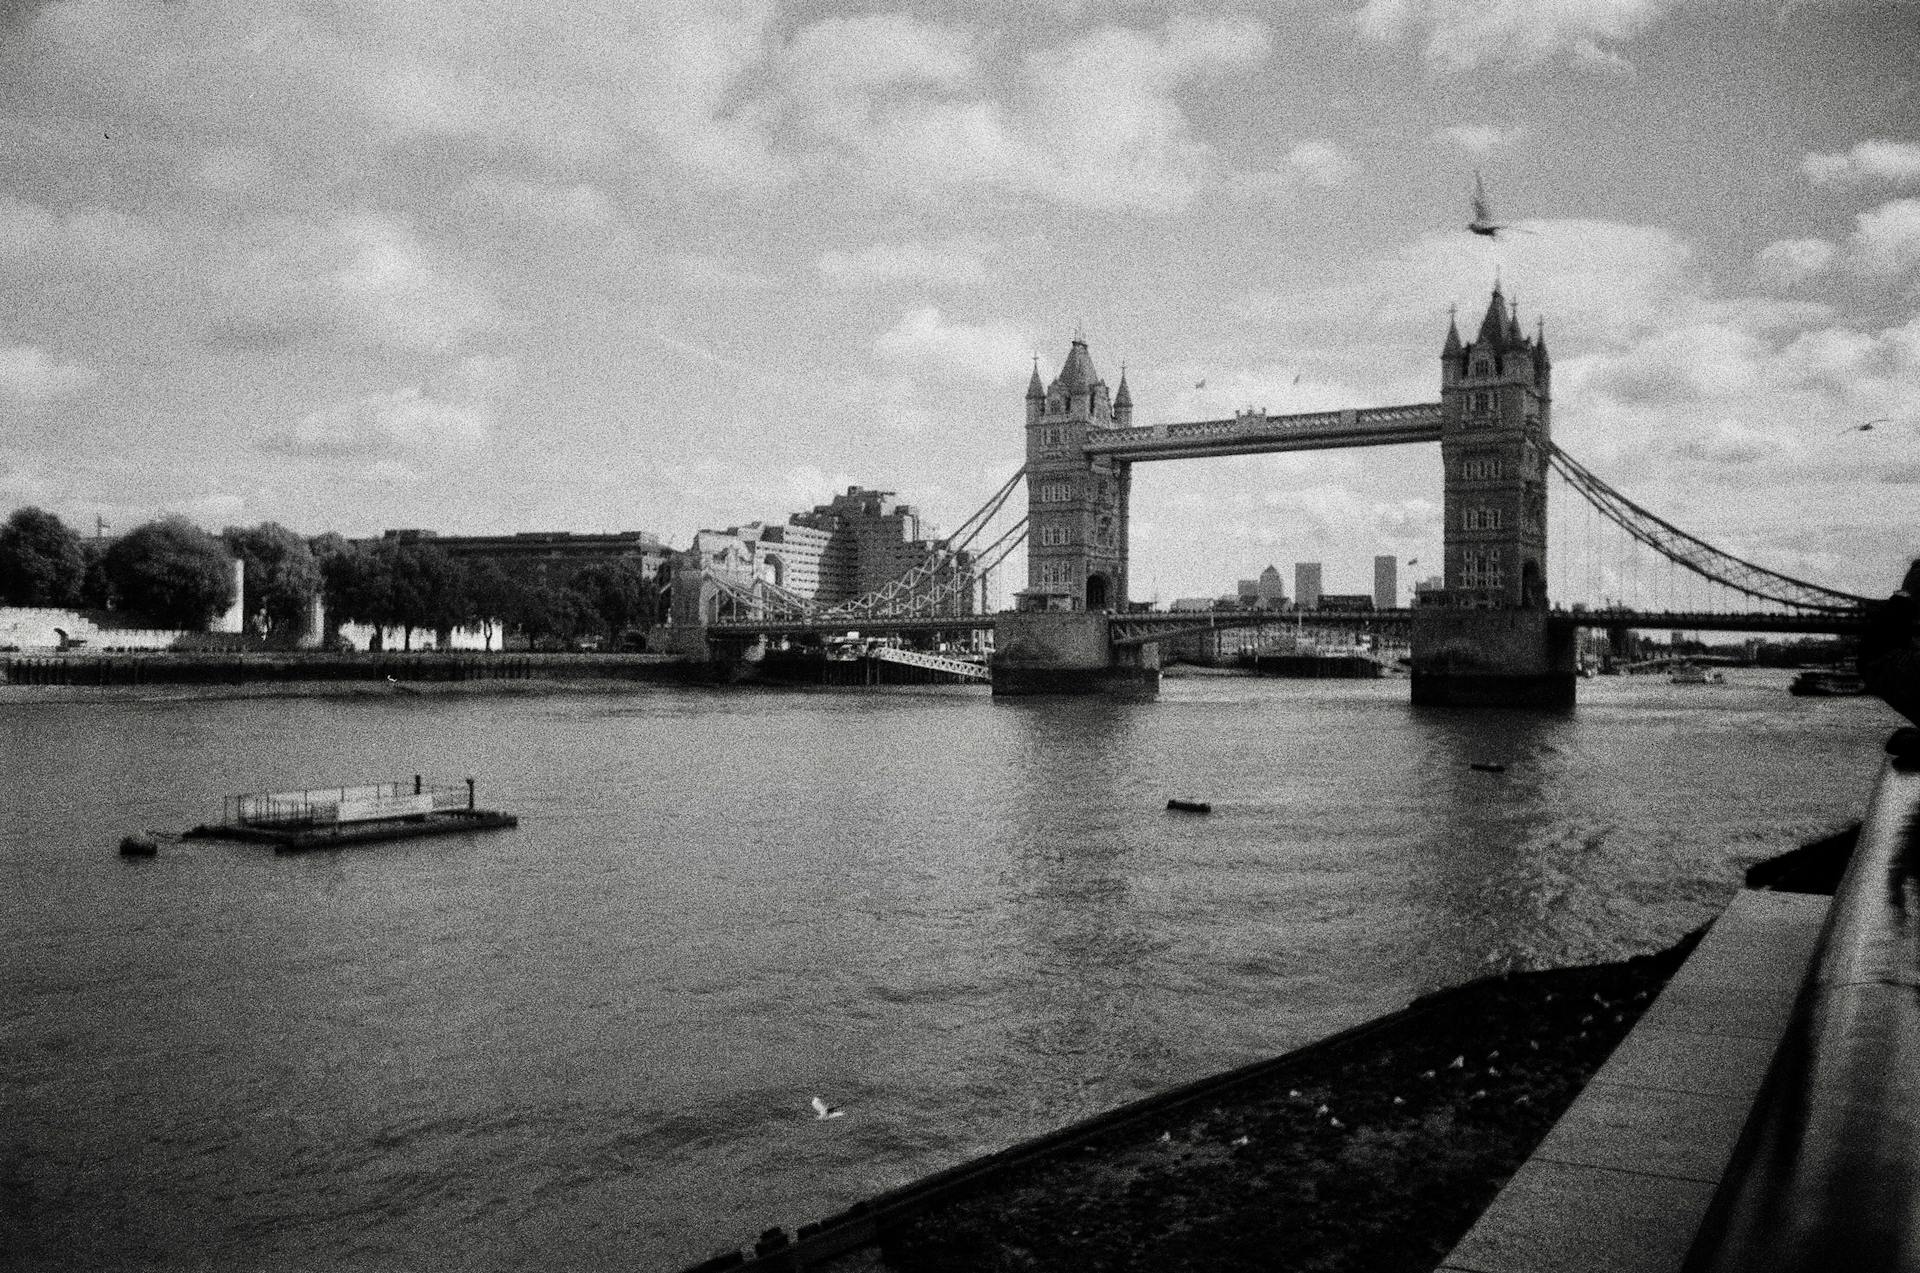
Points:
(41, 562)
(494, 597)
(429, 589)
(172, 572)
(356, 585)
(560, 613)
(621, 594)
(282, 578)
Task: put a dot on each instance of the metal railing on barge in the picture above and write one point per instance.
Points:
(333, 806)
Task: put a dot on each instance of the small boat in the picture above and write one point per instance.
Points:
(1694, 674)
(139, 846)
(1487, 767)
(1827, 685)
(1189, 806)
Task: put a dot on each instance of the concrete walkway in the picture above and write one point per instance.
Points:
(1622, 1182)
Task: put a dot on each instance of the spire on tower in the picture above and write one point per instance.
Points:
(1034, 388)
(1123, 398)
(1493, 328)
(1452, 347)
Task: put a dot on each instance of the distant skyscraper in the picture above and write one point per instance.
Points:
(1386, 582)
(1306, 584)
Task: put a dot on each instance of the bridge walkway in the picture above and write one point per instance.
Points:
(1623, 1181)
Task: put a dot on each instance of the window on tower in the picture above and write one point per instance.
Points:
(1482, 519)
(1480, 402)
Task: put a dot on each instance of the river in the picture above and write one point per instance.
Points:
(591, 1042)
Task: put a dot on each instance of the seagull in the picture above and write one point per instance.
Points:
(1239, 1142)
(1413, 561)
(1868, 426)
(1483, 223)
(401, 689)
(824, 1111)
(1200, 384)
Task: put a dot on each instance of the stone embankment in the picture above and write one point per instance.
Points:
(227, 669)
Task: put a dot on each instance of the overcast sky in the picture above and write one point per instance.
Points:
(484, 266)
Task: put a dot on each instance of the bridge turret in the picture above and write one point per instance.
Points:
(1036, 394)
(1495, 429)
(1076, 503)
(1123, 402)
(1453, 354)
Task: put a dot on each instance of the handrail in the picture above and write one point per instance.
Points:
(1827, 1171)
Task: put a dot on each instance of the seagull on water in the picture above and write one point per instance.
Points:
(822, 1110)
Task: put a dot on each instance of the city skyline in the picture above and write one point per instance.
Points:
(681, 269)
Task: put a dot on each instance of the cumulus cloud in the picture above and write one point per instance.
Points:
(566, 208)
(1479, 139)
(369, 73)
(1458, 35)
(91, 237)
(360, 279)
(1890, 162)
(451, 412)
(29, 375)
(1886, 240)
(884, 263)
(1791, 261)
(925, 343)
(1095, 121)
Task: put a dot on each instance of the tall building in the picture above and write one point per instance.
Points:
(1386, 582)
(855, 544)
(1496, 423)
(1267, 592)
(1306, 584)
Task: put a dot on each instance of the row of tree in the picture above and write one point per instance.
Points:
(178, 575)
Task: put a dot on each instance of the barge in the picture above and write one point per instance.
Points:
(340, 817)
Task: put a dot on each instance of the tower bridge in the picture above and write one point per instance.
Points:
(1488, 636)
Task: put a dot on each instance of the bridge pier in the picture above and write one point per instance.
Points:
(1474, 657)
(1068, 652)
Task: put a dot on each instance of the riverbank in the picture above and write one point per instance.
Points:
(1376, 1149)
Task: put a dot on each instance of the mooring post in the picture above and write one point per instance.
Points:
(416, 784)
(469, 794)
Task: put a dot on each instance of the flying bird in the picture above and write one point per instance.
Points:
(1483, 222)
(1868, 426)
(1201, 384)
(1413, 561)
(823, 1111)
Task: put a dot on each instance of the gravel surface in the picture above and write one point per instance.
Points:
(1375, 1154)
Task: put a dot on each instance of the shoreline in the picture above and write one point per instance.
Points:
(1375, 1149)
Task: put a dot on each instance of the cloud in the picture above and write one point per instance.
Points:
(884, 263)
(368, 75)
(89, 238)
(1890, 162)
(1479, 139)
(924, 343)
(361, 279)
(1791, 261)
(452, 412)
(1459, 35)
(1320, 164)
(722, 272)
(1093, 122)
(1886, 240)
(29, 376)
(561, 208)
(838, 58)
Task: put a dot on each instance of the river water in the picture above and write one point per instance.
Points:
(591, 1042)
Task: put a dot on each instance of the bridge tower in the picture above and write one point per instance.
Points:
(1076, 504)
(1056, 640)
(1487, 638)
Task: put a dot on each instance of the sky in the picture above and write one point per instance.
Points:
(484, 266)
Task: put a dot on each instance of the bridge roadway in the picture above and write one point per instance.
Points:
(1145, 628)
(1256, 432)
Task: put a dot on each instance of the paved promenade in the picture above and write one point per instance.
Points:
(1622, 1182)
